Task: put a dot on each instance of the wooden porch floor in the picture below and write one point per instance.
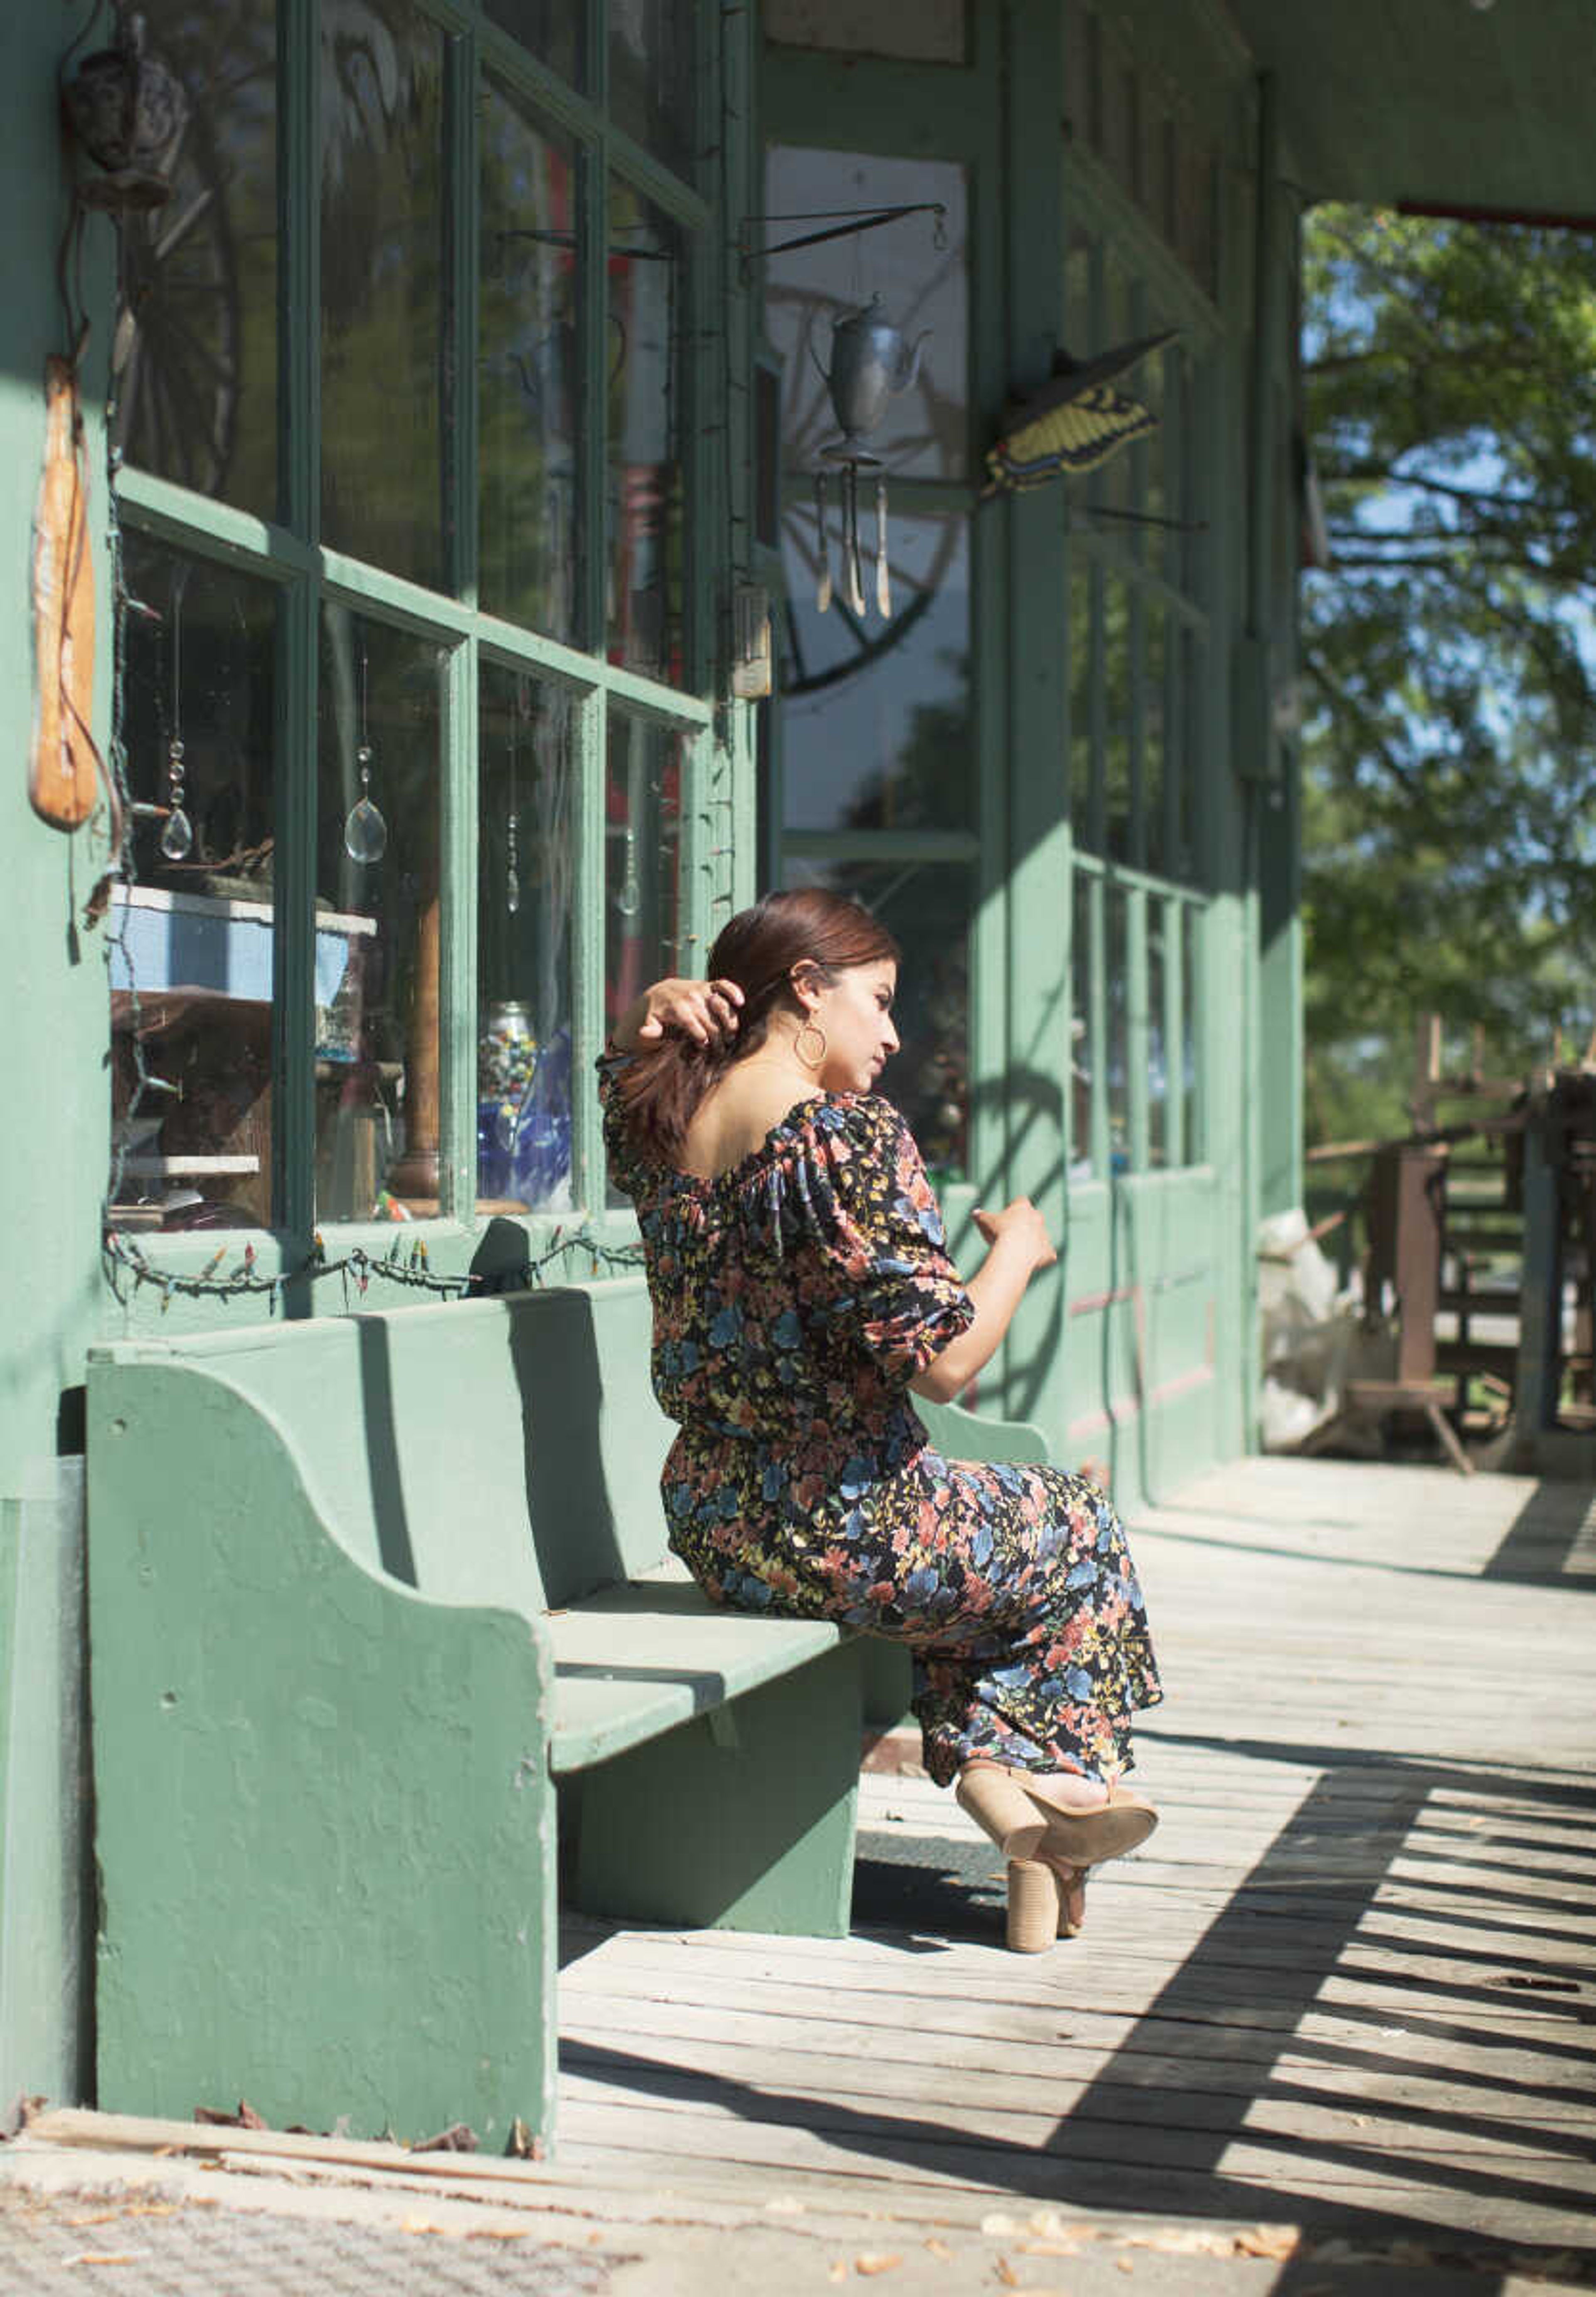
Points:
(1348, 1985)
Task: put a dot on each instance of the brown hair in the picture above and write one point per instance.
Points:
(664, 1083)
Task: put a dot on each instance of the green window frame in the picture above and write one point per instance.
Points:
(1139, 633)
(288, 553)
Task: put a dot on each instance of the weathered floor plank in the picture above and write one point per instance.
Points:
(1351, 1980)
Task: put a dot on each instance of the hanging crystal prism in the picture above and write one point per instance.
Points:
(629, 900)
(365, 832)
(177, 838)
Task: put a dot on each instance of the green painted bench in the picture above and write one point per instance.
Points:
(387, 1651)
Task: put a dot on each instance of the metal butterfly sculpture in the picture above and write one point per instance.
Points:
(1074, 423)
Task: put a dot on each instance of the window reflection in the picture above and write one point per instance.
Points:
(193, 935)
(195, 349)
(877, 720)
(927, 907)
(378, 894)
(651, 76)
(644, 500)
(551, 30)
(642, 814)
(529, 504)
(386, 320)
(923, 434)
(1084, 1047)
(525, 875)
(1157, 915)
(1117, 988)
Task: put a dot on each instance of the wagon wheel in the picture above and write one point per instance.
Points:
(174, 362)
(808, 425)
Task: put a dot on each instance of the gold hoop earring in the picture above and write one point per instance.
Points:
(811, 1063)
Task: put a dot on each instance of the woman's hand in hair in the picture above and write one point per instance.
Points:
(704, 1010)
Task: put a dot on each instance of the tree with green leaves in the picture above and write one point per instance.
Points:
(1450, 649)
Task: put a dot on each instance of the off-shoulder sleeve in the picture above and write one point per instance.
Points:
(904, 1296)
(630, 1175)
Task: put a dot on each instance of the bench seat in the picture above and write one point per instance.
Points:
(386, 1649)
(635, 1660)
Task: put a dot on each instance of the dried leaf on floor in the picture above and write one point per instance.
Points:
(104, 2257)
(1280, 2241)
(215, 2117)
(457, 2138)
(940, 2250)
(1006, 2274)
(877, 2260)
(524, 2146)
(839, 2271)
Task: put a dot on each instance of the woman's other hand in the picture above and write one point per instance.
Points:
(704, 1010)
(1021, 1228)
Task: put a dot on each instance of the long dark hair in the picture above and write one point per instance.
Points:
(664, 1083)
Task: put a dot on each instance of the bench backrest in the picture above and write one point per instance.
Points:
(454, 1444)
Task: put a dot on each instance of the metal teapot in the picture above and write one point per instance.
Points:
(870, 362)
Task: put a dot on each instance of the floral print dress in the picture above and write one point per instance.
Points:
(795, 1295)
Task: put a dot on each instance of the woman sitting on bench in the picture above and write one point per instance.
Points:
(801, 1289)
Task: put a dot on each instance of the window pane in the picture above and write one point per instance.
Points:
(651, 76)
(1084, 1047)
(923, 432)
(1080, 589)
(644, 499)
(524, 885)
(378, 919)
(876, 721)
(550, 29)
(927, 906)
(642, 814)
(193, 935)
(528, 493)
(1151, 686)
(385, 318)
(1119, 1031)
(1157, 913)
(1116, 717)
(196, 341)
(1192, 977)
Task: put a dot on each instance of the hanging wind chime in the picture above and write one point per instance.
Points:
(870, 362)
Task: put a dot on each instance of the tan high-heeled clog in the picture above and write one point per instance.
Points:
(1027, 1824)
(1046, 1903)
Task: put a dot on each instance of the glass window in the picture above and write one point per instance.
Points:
(651, 77)
(549, 30)
(1083, 1032)
(927, 907)
(194, 357)
(1117, 987)
(1191, 977)
(378, 925)
(646, 426)
(877, 726)
(525, 887)
(642, 896)
(193, 938)
(1159, 1096)
(530, 506)
(923, 291)
(385, 307)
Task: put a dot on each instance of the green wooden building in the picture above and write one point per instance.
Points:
(451, 430)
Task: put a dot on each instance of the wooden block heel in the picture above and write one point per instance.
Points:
(1035, 1905)
(1001, 1807)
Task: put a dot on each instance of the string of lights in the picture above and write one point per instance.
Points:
(129, 1270)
